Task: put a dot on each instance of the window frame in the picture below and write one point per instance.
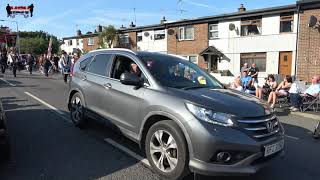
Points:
(254, 56)
(89, 62)
(70, 43)
(107, 70)
(139, 34)
(249, 22)
(286, 18)
(213, 31)
(161, 33)
(89, 42)
(182, 37)
(192, 55)
(124, 36)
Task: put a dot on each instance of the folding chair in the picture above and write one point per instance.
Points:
(310, 103)
(283, 101)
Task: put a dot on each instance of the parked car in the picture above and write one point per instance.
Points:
(4, 142)
(182, 117)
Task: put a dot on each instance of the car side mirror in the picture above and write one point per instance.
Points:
(131, 79)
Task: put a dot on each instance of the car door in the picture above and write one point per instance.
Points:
(126, 100)
(96, 97)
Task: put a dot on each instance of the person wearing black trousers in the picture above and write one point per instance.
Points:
(3, 61)
(13, 59)
(46, 66)
(30, 62)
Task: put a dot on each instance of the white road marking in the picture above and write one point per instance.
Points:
(57, 111)
(7, 82)
(128, 151)
(292, 137)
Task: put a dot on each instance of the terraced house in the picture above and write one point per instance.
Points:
(221, 44)
(278, 40)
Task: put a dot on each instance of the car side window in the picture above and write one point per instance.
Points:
(99, 64)
(84, 63)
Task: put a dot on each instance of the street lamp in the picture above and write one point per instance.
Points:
(18, 37)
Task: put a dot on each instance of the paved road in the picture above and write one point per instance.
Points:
(45, 144)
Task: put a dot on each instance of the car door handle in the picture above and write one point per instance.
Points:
(84, 77)
(107, 86)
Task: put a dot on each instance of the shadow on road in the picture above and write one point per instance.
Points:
(46, 147)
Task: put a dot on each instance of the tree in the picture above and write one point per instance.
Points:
(107, 36)
(37, 42)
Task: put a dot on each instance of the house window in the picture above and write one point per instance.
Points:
(251, 27)
(258, 58)
(286, 23)
(124, 38)
(70, 42)
(90, 41)
(77, 41)
(213, 31)
(192, 58)
(186, 33)
(159, 34)
(139, 36)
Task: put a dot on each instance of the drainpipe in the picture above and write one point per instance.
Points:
(297, 41)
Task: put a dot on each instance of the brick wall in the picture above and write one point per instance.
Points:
(87, 47)
(308, 61)
(193, 47)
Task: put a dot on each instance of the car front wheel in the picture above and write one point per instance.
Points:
(77, 110)
(166, 150)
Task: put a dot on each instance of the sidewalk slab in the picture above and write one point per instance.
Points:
(313, 115)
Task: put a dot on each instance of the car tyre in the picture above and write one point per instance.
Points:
(316, 133)
(77, 111)
(166, 150)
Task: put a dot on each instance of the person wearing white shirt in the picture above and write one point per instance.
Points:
(295, 97)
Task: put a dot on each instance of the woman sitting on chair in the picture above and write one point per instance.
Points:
(282, 90)
(267, 88)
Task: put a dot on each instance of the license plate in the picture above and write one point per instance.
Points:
(273, 148)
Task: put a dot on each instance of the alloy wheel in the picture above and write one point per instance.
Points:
(164, 151)
(76, 109)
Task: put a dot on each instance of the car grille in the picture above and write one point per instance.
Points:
(260, 128)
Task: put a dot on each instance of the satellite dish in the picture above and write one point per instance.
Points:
(312, 21)
(232, 26)
(171, 31)
(146, 34)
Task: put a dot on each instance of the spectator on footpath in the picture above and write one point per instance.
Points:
(236, 85)
(312, 91)
(253, 72)
(247, 83)
(30, 62)
(282, 90)
(269, 86)
(244, 68)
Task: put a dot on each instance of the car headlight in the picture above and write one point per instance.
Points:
(210, 116)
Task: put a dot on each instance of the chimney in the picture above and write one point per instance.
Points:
(163, 20)
(241, 8)
(79, 32)
(122, 27)
(99, 28)
(132, 25)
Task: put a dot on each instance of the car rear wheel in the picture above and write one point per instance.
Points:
(77, 110)
(166, 150)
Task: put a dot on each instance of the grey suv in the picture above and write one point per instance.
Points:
(183, 118)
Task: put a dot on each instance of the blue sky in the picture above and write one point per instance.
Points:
(63, 17)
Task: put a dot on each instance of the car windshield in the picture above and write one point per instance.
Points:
(176, 72)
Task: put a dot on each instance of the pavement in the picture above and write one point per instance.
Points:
(46, 145)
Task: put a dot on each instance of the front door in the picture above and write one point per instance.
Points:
(285, 63)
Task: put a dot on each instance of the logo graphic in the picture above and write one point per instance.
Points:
(25, 11)
(269, 126)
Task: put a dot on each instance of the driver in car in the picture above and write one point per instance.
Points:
(134, 69)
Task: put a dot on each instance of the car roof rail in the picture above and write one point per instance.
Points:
(115, 49)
